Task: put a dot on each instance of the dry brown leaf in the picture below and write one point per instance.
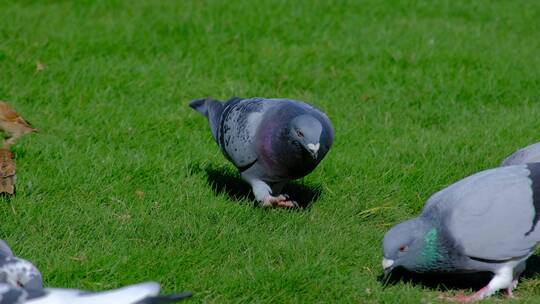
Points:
(39, 66)
(139, 194)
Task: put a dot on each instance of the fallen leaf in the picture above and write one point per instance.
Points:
(139, 194)
(39, 66)
(365, 97)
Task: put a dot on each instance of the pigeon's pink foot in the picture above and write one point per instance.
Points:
(509, 290)
(282, 201)
(287, 204)
(479, 295)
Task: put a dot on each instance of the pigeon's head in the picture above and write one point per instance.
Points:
(411, 245)
(18, 272)
(306, 130)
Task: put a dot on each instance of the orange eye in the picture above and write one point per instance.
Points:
(403, 248)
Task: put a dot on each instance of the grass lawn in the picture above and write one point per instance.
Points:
(125, 184)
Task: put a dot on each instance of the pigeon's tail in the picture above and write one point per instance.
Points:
(210, 108)
(166, 299)
(205, 105)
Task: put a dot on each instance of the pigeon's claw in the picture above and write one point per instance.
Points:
(287, 204)
(281, 201)
(479, 295)
(509, 290)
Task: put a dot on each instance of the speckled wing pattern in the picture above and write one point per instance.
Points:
(238, 125)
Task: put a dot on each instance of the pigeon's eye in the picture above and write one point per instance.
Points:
(300, 134)
(403, 248)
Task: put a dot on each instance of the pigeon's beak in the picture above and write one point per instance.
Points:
(387, 265)
(313, 149)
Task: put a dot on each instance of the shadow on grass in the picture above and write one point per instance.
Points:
(453, 281)
(224, 181)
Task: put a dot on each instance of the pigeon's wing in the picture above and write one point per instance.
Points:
(529, 154)
(127, 295)
(12, 295)
(238, 127)
(492, 215)
(5, 251)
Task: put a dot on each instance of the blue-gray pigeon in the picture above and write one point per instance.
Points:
(270, 141)
(21, 282)
(485, 222)
(16, 271)
(529, 154)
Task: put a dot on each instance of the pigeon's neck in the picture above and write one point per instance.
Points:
(435, 253)
(431, 252)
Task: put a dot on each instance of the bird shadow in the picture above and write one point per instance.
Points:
(452, 281)
(223, 181)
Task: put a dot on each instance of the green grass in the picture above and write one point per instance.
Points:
(421, 94)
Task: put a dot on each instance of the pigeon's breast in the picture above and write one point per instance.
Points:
(282, 158)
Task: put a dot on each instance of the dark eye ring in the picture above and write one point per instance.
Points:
(300, 134)
(403, 248)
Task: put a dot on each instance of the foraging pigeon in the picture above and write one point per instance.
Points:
(13, 124)
(270, 141)
(21, 282)
(143, 293)
(485, 222)
(529, 154)
(16, 271)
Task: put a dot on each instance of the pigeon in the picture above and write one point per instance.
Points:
(529, 154)
(142, 293)
(270, 141)
(16, 271)
(7, 172)
(487, 222)
(21, 282)
(13, 124)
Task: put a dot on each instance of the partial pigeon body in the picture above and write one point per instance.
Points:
(12, 295)
(485, 222)
(16, 271)
(270, 141)
(143, 293)
(21, 282)
(13, 124)
(529, 154)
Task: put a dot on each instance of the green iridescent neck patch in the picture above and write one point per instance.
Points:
(431, 252)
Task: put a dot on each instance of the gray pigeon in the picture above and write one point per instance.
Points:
(16, 271)
(271, 141)
(21, 282)
(143, 293)
(529, 154)
(485, 222)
